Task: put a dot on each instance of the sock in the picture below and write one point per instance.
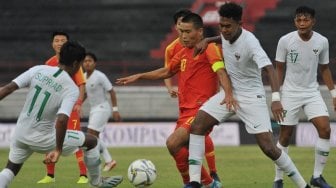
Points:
(80, 161)
(6, 176)
(322, 149)
(51, 170)
(206, 179)
(210, 154)
(196, 153)
(278, 171)
(181, 160)
(287, 165)
(92, 161)
(104, 151)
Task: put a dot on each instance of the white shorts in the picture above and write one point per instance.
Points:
(99, 116)
(252, 111)
(312, 105)
(20, 152)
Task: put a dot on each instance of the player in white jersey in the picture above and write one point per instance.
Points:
(302, 52)
(97, 86)
(51, 96)
(244, 59)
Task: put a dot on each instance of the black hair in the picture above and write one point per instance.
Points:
(60, 33)
(231, 10)
(92, 55)
(71, 52)
(180, 13)
(305, 10)
(193, 18)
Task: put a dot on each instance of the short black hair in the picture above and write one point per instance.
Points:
(231, 10)
(193, 18)
(71, 52)
(60, 33)
(92, 55)
(305, 10)
(180, 13)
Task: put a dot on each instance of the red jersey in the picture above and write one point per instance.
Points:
(172, 49)
(78, 78)
(197, 81)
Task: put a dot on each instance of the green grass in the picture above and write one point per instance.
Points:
(238, 167)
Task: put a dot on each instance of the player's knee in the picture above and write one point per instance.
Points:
(90, 141)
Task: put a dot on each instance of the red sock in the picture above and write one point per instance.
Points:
(181, 159)
(206, 179)
(80, 161)
(210, 154)
(51, 169)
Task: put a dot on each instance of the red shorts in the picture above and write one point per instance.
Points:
(186, 118)
(74, 121)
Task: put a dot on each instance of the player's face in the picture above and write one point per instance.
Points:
(229, 28)
(58, 42)
(190, 36)
(304, 23)
(89, 64)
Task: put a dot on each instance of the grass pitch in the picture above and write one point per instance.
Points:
(238, 167)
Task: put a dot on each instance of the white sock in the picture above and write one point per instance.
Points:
(278, 171)
(322, 149)
(6, 176)
(287, 165)
(92, 161)
(104, 151)
(196, 153)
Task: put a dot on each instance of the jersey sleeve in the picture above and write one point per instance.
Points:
(175, 63)
(24, 79)
(258, 54)
(106, 82)
(324, 55)
(69, 99)
(169, 53)
(79, 77)
(214, 56)
(281, 52)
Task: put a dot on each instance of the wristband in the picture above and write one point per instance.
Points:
(275, 96)
(115, 108)
(333, 93)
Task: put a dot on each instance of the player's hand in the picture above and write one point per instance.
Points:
(200, 47)
(116, 116)
(173, 93)
(52, 157)
(230, 102)
(278, 112)
(128, 79)
(78, 108)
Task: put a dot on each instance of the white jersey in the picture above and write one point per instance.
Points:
(243, 62)
(51, 92)
(97, 85)
(302, 59)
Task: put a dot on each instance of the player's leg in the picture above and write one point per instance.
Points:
(91, 157)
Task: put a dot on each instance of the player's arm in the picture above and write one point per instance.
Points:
(169, 54)
(80, 80)
(202, 46)
(157, 74)
(115, 114)
(327, 78)
(8, 89)
(225, 83)
(280, 70)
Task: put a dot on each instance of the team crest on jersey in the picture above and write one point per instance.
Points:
(237, 55)
(315, 51)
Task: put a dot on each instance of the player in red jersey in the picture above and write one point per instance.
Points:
(198, 81)
(172, 49)
(58, 39)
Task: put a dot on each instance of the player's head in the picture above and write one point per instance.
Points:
(58, 39)
(304, 19)
(179, 14)
(230, 15)
(89, 62)
(71, 56)
(191, 30)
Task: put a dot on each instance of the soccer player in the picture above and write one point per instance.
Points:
(172, 49)
(97, 85)
(51, 97)
(58, 39)
(300, 53)
(198, 81)
(244, 58)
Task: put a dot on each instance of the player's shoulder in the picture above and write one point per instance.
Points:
(174, 44)
(289, 36)
(319, 36)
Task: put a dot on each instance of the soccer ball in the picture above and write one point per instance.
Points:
(141, 173)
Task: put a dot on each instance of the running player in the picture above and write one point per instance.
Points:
(300, 53)
(244, 59)
(51, 96)
(97, 85)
